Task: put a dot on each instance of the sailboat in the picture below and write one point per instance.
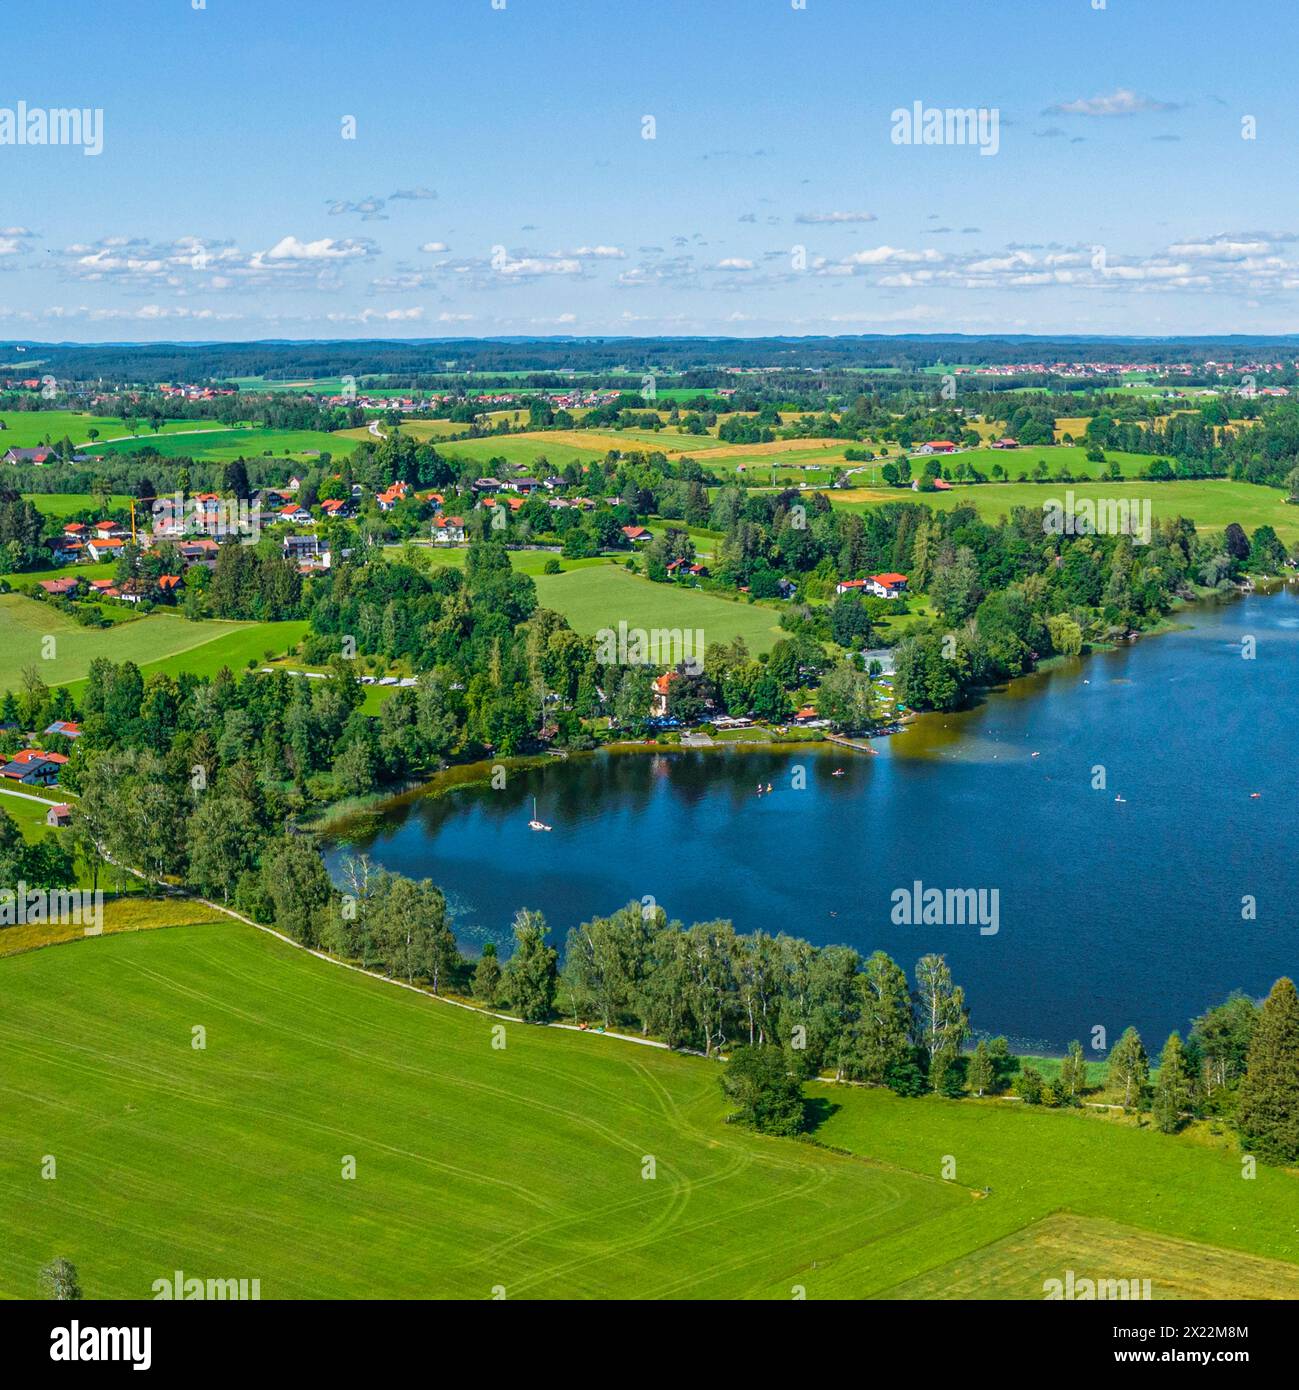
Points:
(534, 823)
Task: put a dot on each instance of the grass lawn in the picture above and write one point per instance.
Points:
(160, 641)
(604, 595)
(1211, 503)
(61, 504)
(521, 1167)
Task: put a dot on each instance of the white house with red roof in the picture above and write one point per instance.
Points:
(888, 585)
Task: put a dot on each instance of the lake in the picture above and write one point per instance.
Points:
(1108, 912)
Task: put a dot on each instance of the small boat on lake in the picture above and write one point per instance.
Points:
(535, 823)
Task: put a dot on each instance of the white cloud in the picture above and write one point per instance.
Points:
(1121, 102)
(820, 217)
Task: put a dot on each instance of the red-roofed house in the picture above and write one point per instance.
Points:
(105, 548)
(888, 585)
(638, 535)
(448, 530)
(662, 688)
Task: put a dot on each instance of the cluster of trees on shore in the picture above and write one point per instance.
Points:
(783, 1011)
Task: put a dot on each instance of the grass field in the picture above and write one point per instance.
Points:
(1038, 1162)
(521, 1168)
(60, 504)
(1057, 457)
(24, 429)
(221, 445)
(161, 641)
(605, 595)
(131, 914)
(1212, 504)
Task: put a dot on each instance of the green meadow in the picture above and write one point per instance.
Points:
(159, 641)
(340, 1137)
(1057, 457)
(605, 595)
(222, 445)
(1211, 503)
(58, 505)
(25, 429)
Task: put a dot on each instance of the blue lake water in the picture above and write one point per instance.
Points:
(1110, 912)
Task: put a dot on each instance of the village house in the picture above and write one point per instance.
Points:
(448, 530)
(309, 547)
(34, 767)
(60, 814)
(336, 508)
(638, 535)
(937, 446)
(58, 588)
(513, 503)
(199, 552)
(66, 727)
(660, 692)
(888, 585)
(295, 515)
(486, 485)
(105, 548)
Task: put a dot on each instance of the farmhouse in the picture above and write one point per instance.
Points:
(937, 446)
(37, 456)
(58, 815)
(638, 535)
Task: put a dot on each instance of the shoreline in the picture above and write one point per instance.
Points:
(336, 819)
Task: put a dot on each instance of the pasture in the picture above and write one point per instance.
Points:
(605, 595)
(58, 505)
(25, 429)
(1211, 503)
(224, 445)
(160, 641)
(1057, 457)
(341, 1137)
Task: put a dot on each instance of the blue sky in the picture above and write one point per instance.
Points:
(499, 182)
